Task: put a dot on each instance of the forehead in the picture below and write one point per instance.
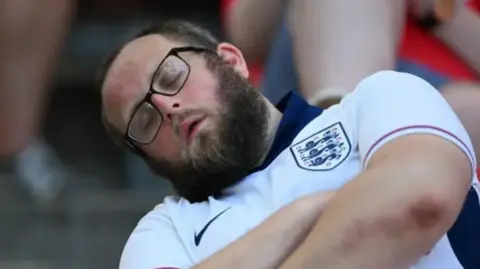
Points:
(130, 73)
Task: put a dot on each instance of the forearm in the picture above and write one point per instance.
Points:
(385, 218)
(461, 34)
(31, 33)
(252, 26)
(267, 246)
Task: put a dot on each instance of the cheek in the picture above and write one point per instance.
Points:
(201, 93)
(206, 100)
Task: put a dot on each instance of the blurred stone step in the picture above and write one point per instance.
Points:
(83, 201)
(26, 265)
(87, 229)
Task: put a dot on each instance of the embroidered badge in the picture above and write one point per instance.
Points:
(323, 150)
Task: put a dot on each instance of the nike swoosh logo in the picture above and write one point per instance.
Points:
(198, 237)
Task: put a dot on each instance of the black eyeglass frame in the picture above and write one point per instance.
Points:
(131, 141)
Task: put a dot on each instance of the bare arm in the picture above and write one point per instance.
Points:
(252, 26)
(380, 220)
(267, 246)
(419, 167)
(30, 34)
(155, 242)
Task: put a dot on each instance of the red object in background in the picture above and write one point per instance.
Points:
(225, 6)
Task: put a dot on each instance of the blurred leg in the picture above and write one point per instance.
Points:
(338, 43)
(30, 34)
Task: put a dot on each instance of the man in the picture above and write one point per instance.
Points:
(388, 169)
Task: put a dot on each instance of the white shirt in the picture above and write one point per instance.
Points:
(314, 150)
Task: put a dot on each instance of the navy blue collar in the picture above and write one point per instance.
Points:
(297, 113)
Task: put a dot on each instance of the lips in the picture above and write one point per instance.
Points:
(189, 127)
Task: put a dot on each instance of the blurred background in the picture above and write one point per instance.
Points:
(72, 198)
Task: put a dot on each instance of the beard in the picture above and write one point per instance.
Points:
(225, 157)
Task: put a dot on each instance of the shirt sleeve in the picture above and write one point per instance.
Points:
(154, 244)
(390, 104)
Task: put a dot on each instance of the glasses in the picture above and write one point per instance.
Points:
(168, 80)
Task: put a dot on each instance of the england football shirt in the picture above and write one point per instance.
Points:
(313, 151)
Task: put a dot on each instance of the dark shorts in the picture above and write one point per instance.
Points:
(280, 76)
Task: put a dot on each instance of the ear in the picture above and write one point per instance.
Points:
(234, 57)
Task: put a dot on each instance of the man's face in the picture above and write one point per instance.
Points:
(213, 131)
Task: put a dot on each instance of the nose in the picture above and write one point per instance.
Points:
(168, 105)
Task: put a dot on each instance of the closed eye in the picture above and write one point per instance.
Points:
(168, 81)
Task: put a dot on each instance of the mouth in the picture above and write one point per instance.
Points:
(190, 127)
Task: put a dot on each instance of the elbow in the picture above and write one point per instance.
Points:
(440, 198)
(433, 203)
(434, 181)
(434, 206)
(431, 212)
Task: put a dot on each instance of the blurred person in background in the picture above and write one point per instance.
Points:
(395, 179)
(31, 34)
(323, 48)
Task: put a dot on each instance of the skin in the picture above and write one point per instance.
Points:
(205, 164)
(128, 81)
(329, 39)
(338, 43)
(461, 35)
(255, 35)
(31, 33)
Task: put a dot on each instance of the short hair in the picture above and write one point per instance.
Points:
(180, 31)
